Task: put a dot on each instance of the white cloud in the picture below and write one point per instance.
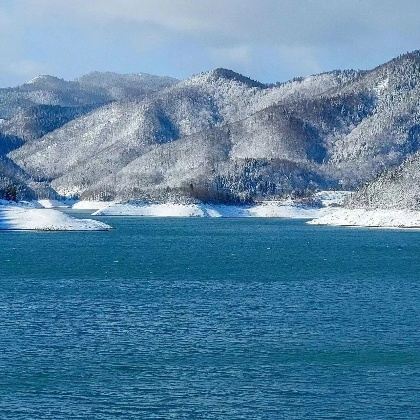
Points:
(277, 22)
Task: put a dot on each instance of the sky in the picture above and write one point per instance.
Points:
(268, 40)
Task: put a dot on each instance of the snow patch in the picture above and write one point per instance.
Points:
(36, 79)
(381, 86)
(74, 204)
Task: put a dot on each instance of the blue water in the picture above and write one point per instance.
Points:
(194, 318)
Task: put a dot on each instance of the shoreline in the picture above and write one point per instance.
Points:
(50, 215)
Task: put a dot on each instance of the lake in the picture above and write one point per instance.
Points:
(210, 318)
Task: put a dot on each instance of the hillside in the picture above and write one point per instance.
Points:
(397, 188)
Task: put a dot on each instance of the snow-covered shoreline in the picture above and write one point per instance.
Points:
(375, 218)
(28, 216)
(329, 213)
(267, 209)
(286, 208)
(90, 205)
(326, 209)
(70, 203)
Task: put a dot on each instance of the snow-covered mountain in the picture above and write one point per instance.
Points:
(220, 136)
(45, 103)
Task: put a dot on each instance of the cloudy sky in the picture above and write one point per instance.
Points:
(269, 40)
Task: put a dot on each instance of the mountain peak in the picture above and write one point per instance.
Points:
(46, 81)
(222, 73)
(44, 78)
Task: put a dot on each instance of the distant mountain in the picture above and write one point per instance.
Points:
(46, 102)
(385, 137)
(47, 90)
(125, 86)
(220, 136)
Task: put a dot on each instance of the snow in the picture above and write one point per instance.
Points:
(332, 198)
(290, 211)
(31, 216)
(381, 86)
(52, 204)
(384, 218)
(222, 210)
(36, 79)
(28, 217)
(329, 214)
(264, 209)
(91, 205)
(74, 204)
(152, 210)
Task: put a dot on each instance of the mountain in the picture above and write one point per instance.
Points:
(220, 136)
(92, 89)
(99, 145)
(45, 103)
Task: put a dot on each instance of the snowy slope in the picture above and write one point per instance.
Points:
(397, 188)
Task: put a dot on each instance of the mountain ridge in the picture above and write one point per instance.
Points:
(340, 128)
